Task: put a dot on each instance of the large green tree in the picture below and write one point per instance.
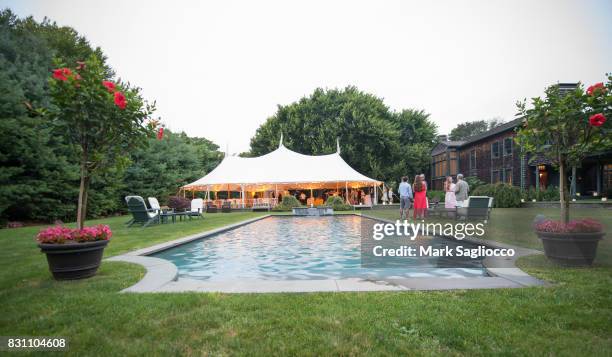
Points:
(470, 128)
(161, 167)
(374, 140)
(37, 170)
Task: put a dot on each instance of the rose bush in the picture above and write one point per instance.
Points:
(63, 235)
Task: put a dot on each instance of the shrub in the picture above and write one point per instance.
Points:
(287, 204)
(179, 203)
(337, 203)
(504, 195)
(551, 193)
(61, 235)
(586, 225)
(434, 193)
(474, 182)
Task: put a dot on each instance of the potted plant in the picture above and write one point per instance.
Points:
(73, 253)
(564, 127)
(571, 244)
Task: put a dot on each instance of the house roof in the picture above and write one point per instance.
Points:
(443, 145)
(498, 129)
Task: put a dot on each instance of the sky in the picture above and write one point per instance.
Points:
(219, 69)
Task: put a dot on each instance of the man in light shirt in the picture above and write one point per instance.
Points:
(461, 190)
(405, 193)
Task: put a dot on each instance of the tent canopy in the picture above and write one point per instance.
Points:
(281, 169)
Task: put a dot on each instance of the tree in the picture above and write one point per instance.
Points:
(37, 169)
(103, 119)
(372, 138)
(470, 128)
(161, 167)
(565, 127)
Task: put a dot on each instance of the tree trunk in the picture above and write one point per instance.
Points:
(83, 188)
(564, 199)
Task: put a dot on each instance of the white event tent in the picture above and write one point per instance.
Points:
(282, 169)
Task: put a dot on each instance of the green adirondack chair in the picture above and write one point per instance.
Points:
(477, 207)
(140, 213)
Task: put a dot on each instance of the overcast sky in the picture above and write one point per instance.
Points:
(218, 69)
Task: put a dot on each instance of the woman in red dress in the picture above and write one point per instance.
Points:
(420, 197)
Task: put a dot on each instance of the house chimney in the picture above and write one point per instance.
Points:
(442, 138)
(565, 88)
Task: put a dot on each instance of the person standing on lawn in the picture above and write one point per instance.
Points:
(450, 200)
(420, 197)
(405, 192)
(461, 190)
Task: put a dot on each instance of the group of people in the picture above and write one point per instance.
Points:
(416, 195)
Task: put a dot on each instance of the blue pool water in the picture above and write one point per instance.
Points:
(298, 248)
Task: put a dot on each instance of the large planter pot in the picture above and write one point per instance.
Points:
(571, 249)
(74, 260)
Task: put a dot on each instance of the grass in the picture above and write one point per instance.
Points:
(572, 318)
(514, 225)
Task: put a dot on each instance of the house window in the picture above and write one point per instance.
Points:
(495, 150)
(507, 146)
(508, 176)
(439, 163)
(473, 160)
(495, 176)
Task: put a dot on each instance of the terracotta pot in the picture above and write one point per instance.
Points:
(74, 260)
(571, 249)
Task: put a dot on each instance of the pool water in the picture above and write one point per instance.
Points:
(299, 248)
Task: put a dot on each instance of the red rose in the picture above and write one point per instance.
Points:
(80, 65)
(110, 86)
(595, 87)
(59, 74)
(120, 100)
(597, 119)
(160, 133)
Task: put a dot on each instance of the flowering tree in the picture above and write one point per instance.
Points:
(565, 127)
(104, 119)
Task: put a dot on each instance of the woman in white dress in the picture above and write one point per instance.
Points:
(390, 195)
(450, 201)
(385, 196)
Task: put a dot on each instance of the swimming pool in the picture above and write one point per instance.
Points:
(300, 248)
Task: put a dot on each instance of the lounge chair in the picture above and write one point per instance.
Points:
(154, 204)
(476, 207)
(226, 207)
(140, 213)
(197, 208)
(210, 207)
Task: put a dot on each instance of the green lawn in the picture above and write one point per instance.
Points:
(514, 225)
(571, 318)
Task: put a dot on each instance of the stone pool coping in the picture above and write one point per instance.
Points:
(162, 275)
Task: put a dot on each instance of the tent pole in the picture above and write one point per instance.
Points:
(375, 194)
(346, 192)
(242, 194)
(207, 193)
(276, 193)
